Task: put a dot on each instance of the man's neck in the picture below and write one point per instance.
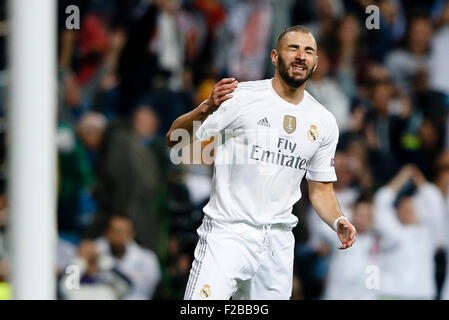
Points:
(286, 92)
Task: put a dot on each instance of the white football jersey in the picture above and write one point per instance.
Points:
(265, 146)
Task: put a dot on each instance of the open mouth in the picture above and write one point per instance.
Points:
(299, 68)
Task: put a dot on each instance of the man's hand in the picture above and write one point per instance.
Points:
(401, 178)
(418, 178)
(346, 233)
(220, 93)
(325, 203)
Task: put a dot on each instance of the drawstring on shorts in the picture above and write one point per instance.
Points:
(267, 238)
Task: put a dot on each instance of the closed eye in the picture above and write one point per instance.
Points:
(310, 50)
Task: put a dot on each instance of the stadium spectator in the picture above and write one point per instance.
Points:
(326, 89)
(410, 136)
(442, 182)
(78, 166)
(90, 129)
(281, 20)
(146, 125)
(406, 265)
(377, 130)
(317, 248)
(163, 39)
(130, 179)
(66, 252)
(348, 271)
(242, 44)
(346, 192)
(349, 56)
(93, 276)
(99, 88)
(404, 63)
(392, 12)
(136, 263)
(325, 13)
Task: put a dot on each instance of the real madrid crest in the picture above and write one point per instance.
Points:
(205, 292)
(289, 124)
(312, 134)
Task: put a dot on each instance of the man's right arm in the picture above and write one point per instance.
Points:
(220, 93)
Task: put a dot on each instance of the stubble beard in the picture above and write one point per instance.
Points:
(290, 81)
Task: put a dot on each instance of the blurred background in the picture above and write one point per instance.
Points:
(127, 217)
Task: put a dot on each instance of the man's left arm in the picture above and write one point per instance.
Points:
(320, 176)
(325, 203)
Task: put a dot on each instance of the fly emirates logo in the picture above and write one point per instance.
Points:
(284, 156)
(263, 148)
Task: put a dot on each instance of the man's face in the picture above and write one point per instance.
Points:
(406, 211)
(119, 233)
(381, 97)
(420, 33)
(92, 137)
(146, 122)
(343, 169)
(363, 217)
(296, 58)
(442, 181)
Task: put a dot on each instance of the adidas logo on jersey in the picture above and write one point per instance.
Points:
(263, 122)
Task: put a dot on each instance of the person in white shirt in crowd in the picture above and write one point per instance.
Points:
(66, 251)
(111, 267)
(348, 277)
(411, 230)
(329, 92)
(442, 182)
(347, 193)
(92, 276)
(405, 63)
(138, 264)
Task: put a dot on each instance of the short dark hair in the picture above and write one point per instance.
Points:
(365, 197)
(297, 28)
(118, 215)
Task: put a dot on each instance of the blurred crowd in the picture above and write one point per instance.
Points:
(127, 216)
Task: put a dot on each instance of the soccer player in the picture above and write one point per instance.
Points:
(246, 246)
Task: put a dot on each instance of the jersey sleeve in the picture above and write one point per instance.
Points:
(223, 118)
(321, 165)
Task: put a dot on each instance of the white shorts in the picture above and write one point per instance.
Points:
(241, 261)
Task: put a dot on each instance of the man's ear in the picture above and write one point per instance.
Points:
(316, 64)
(274, 57)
